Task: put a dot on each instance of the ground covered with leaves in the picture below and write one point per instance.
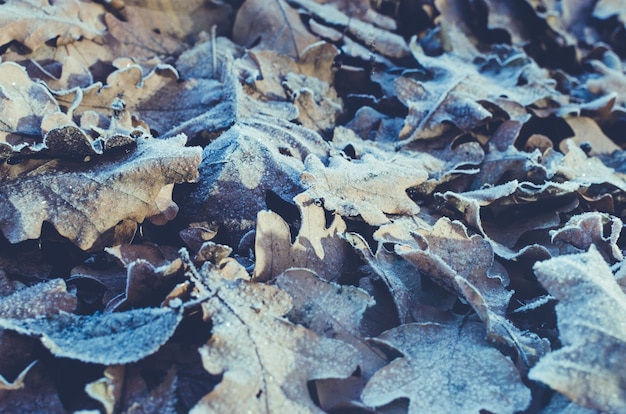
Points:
(295, 206)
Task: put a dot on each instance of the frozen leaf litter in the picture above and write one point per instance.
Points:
(312, 206)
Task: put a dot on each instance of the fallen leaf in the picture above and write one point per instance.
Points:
(316, 247)
(278, 23)
(446, 367)
(273, 151)
(590, 316)
(123, 389)
(265, 361)
(103, 191)
(367, 187)
(34, 22)
(587, 229)
(109, 338)
(465, 265)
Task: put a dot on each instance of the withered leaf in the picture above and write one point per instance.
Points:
(41, 300)
(108, 338)
(465, 265)
(590, 315)
(584, 230)
(367, 187)
(278, 23)
(265, 360)
(24, 104)
(272, 151)
(446, 367)
(148, 97)
(122, 389)
(102, 192)
(451, 92)
(331, 310)
(34, 22)
(316, 247)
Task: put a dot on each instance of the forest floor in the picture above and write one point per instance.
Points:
(285, 206)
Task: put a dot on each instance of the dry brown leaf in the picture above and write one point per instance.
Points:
(149, 97)
(162, 27)
(331, 310)
(448, 91)
(273, 151)
(265, 361)
(316, 247)
(34, 22)
(367, 187)
(123, 389)
(446, 368)
(586, 130)
(382, 41)
(276, 23)
(102, 192)
(465, 265)
(24, 103)
(590, 313)
(591, 228)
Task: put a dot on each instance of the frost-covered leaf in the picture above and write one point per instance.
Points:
(272, 151)
(41, 300)
(445, 368)
(367, 187)
(316, 247)
(265, 361)
(331, 310)
(448, 91)
(465, 265)
(592, 228)
(278, 23)
(590, 315)
(24, 104)
(34, 22)
(84, 200)
(108, 338)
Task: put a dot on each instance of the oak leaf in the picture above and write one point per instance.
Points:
(367, 187)
(446, 367)
(85, 200)
(273, 151)
(316, 247)
(265, 361)
(278, 23)
(465, 265)
(590, 316)
(34, 22)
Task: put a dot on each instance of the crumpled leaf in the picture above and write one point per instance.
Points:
(109, 338)
(367, 187)
(447, 367)
(465, 265)
(265, 360)
(586, 229)
(24, 104)
(151, 96)
(590, 315)
(316, 247)
(39, 394)
(103, 191)
(34, 22)
(382, 41)
(447, 91)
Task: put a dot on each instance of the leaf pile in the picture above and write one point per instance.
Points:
(312, 206)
